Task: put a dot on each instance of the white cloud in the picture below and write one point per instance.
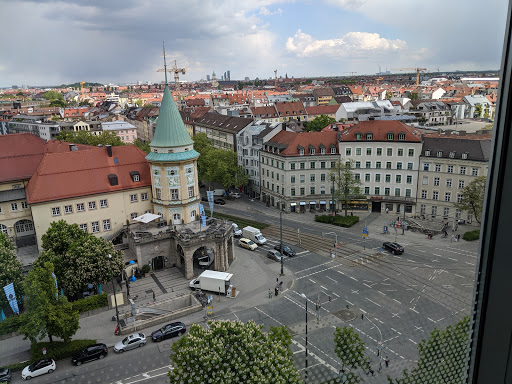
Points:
(267, 12)
(349, 45)
(347, 4)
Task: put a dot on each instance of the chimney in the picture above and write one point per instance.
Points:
(109, 150)
(284, 126)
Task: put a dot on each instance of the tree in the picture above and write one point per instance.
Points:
(319, 123)
(202, 145)
(346, 185)
(58, 103)
(222, 167)
(52, 95)
(141, 145)
(232, 352)
(10, 272)
(473, 198)
(442, 357)
(48, 313)
(88, 138)
(79, 257)
(389, 95)
(349, 348)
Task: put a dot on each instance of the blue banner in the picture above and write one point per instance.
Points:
(210, 196)
(203, 215)
(56, 286)
(11, 296)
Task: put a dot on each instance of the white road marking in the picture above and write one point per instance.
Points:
(412, 309)
(412, 341)
(300, 253)
(397, 301)
(331, 279)
(459, 276)
(371, 301)
(314, 282)
(323, 287)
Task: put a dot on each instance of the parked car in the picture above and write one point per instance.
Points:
(461, 221)
(247, 244)
(93, 352)
(235, 195)
(236, 230)
(287, 251)
(274, 255)
(130, 342)
(5, 375)
(204, 198)
(394, 248)
(39, 368)
(219, 201)
(168, 331)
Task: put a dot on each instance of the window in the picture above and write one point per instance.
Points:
(302, 191)
(389, 152)
(401, 136)
(410, 166)
(400, 152)
(312, 165)
(427, 152)
(448, 183)
(378, 165)
(474, 172)
(103, 203)
(322, 177)
(439, 153)
(333, 164)
(301, 152)
(312, 178)
(176, 218)
(322, 151)
(359, 136)
(368, 164)
(462, 170)
(457, 213)
(426, 167)
(358, 164)
(83, 227)
(292, 192)
(407, 193)
(447, 196)
(144, 196)
(55, 210)
(379, 151)
(312, 191)
(408, 179)
(388, 164)
(377, 190)
(190, 191)
(68, 209)
(366, 190)
(390, 136)
(449, 169)
(333, 150)
(411, 152)
(175, 194)
(136, 177)
(464, 156)
(358, 151)
(436, 181)
(158, 193)
(423, 194)
(388, 178)
(461, 184)
(399, 165)
(272, 174)
(133, 215)
(80, 207)
(452, 155)
(423, 208)
(397, 191)
(133, 198)
(322, 164)
(377, 177)
(367, 177)
(106, 225)
(95, 225)
(459, 198)
(437, 168)
(368, 151)
(434, 210)
(302, 166)
(369, 136)
(446, 212)
(24, 204)
(398, 179)
(387, 191)
(435, 195)
(302, 178)
(322, 190)
(272, 162)
(292, 166)
(311, 151)
(292, 179)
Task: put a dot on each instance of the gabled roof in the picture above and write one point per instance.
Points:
(269, 111)
(294, 108)
(292, 141)
(380, 130)
(322, 109)
(477, 149)
(81, 173)
(231, 123)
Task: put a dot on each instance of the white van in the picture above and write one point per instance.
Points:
(219, 192)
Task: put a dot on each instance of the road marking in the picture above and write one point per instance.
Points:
(314, 282)
(382, 293)
(350, 302)
(419, 250)
(397, 301)
(300, 253)
(412, 341)
(451, 258)
(398, 257)
(379, 321)
(353, 278)
(393, 329)
(355, 291)
(369, 286)
(470, 263)
(391, 338)
(412, 309)
(371, 301)
(323, 287)
(459, 276)
(412, 261)
(331, 279)
(448, 286)
(335, 294)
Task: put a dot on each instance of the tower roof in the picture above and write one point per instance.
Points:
(170, 130)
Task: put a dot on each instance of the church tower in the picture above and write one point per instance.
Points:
(173, 162)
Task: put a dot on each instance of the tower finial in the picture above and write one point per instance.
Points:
(165, 63)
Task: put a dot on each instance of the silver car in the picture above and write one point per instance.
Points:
(130, 342)
(274, 255)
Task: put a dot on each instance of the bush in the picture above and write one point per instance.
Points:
(341, 221)
(9, 325)
(471, 235)
(58, 350)
(18, 366)
(146, 268)
(90, 303)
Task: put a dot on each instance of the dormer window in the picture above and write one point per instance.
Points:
(301, 150)
(427, 152)
(333, 150)
(401, 136)
(135, 175)
(465, 155)
(311, 151)
(391, 136)
(359, 136)
(369, 136)
(322, 151)
(452, 154)
(439, 153)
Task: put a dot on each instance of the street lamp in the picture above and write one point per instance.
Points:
(114, 290)
(333, 204)
(281, 235)
(306, 358)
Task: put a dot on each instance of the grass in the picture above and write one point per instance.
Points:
(242, 222)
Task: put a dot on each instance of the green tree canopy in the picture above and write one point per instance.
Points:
(319, 123)
(473, 198)
(141, 145)
(88, 138)
(79, 257)
(10, 270)
(232, 352)
(48, 313)
(222, 167)
(346, 186)
(349, 348)
(52, 95)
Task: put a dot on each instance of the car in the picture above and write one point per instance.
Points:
(247, 244)
(93, 352)
(130, 342)
(461, 221)
(235, 195)
(204, 198)
(38, 368)
(168, 331)
(219, 201)
(236, 230)
(395, 248)
(274, 255)
(287, 251)
(5, 375)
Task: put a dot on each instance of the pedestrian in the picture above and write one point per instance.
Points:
(269, 293)
(154, 299)
(458, 237)
(398, 218)
(380, 366)
(280, 285)
(372, 372)
(387, 209)
(362, 316)
(276, 291)
(387, 362)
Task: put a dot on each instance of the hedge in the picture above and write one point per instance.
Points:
(58, 350)
(90, 303)
(471, 235)
(18, 366)
(10, 324)
(341, 221)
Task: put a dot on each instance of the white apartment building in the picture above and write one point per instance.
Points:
(385, 156)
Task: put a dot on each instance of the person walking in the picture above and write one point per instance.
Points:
(387, 362)
(269, 293)
(380, 366)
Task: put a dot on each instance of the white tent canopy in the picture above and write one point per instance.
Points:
(147, 217)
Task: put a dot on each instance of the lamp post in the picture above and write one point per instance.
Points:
(306, 358)
(281, 236)
(114, 290)
(333, 205)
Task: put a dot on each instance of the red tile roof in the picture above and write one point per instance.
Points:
(292, 141)
(264, 112)
(82, 173)
(294, 108)
(380, 129)
(322, 109)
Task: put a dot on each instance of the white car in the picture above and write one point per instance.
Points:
(235, 195)
(236, 230)
(38, 368)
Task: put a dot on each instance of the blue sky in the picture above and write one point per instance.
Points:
(119, 41)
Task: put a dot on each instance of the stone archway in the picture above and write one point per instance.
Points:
(25, 233)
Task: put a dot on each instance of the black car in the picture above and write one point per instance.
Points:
(5, 375)
(287, 251)
(168, 331)
(219, 201)
(93, 352)
(395, 248)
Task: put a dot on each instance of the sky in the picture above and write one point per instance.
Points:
(50, 42)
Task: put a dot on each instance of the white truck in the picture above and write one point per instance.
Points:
(254, 234)
(212, 281)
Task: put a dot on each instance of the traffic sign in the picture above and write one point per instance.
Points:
(365, 231)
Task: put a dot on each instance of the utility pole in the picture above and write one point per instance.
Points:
(333, 202)
(306, 358)
(281, 235)
(114, 289)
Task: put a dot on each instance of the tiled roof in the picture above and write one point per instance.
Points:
(82, 173)
(223, 121)
(291, 141)
(294, 108)
(322, 109)
(478, 150)
(319, 92)
(380, 130)
(263, 112)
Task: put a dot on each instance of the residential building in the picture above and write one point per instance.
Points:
(291, 110)
(384, 156)
(479, 106)
(429, 112)
(221, 129)
(364, 110)
(323, 95)
(327, 110)
(126, 131)
(448, 164)
(37, 125)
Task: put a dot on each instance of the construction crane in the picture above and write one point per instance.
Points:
(418, 70)
(176, 70)
(275, 78)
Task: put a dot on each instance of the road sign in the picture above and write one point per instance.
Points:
(365, 231)
(209, 309)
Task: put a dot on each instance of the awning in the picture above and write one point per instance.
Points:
(302, 203)
(293, 204)
(322, 202)
(147, 217)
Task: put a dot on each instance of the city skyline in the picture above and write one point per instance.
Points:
(120, 42)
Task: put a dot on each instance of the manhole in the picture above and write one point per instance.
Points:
(345, 315)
